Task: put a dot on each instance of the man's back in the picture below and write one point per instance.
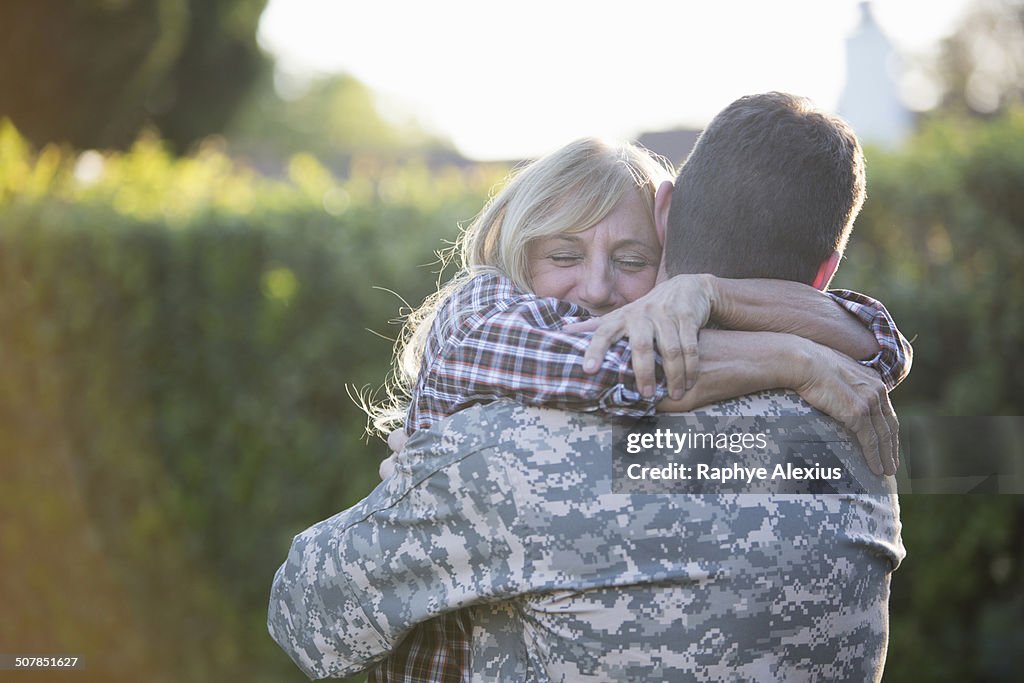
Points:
(704, 587)
(511, 510)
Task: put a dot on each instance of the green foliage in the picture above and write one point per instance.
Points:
(216, 68)
(980, 66)
(941, 241)
(92, 74)
(333, 118)
(177, 337)
(957, 599)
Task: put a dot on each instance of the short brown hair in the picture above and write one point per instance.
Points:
(771, 189)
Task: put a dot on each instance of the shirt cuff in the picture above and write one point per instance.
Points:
(895, 354)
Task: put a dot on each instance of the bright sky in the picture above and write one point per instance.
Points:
(518, 79)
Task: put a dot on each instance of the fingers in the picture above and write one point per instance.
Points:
(885, 427)
(673, 333)
(856, 396)
(691, 353)
(677, 343)
(396, 442)
(607, 334)
(673, 360)
(387, 467)
(894, 425)
(876, 426)
(674, 339)
(397, 439)
(864, 428)
(890, 429)
(641, 343)
(877, 430)
(881, 429)
(588, 325)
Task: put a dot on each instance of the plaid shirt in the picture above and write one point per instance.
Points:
(896, 355)
(436, 651)
(492, 340)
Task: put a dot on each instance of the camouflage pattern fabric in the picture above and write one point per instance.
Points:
(509, 510)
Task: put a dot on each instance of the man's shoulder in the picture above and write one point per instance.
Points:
(783, 412)
(776, 402)
(523, 451)
(504, 426)
(505, 422)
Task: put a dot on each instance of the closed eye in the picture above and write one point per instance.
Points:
(633, 263)
(565, 259)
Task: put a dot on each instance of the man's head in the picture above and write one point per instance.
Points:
(770, 190)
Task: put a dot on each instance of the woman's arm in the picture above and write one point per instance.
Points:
(495, 341)
(668, 318)
(738, 363)
(517, 347)
(760, 305)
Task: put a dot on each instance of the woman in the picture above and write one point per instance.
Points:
(572, 235)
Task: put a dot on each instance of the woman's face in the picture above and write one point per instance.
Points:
(603, 267)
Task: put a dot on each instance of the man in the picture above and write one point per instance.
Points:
(511, 510)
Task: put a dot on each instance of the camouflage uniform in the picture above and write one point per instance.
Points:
(510, 510)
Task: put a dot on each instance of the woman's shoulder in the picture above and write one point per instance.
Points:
(481, 292)
(474, 299)
(490, 294)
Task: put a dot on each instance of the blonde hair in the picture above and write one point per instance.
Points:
(567, 191)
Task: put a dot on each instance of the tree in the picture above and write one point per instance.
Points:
(334, 118)
(93, 74)
(980, 67)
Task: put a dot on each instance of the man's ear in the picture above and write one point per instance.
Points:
(826, 270)
(662, 204)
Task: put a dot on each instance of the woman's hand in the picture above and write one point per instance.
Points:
(669, 318)
(396, 442)
(855, 395)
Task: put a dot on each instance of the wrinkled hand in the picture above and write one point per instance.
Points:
(855, 395)
(387, 467)
(669, 318)
(396, 442)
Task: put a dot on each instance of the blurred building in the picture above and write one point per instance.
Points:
(870, 100)
(674, 145)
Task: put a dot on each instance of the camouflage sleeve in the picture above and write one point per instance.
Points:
(453, 527)
(430, 539)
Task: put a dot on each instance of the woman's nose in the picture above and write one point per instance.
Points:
(596, 287)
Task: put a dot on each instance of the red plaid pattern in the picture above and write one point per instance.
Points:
(492, 340)
(896, 355)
